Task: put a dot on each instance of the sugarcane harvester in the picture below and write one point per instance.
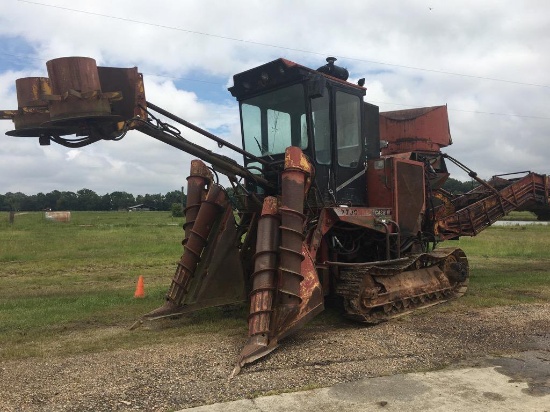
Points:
(333, 199)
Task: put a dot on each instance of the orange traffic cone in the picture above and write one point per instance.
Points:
(140, 289)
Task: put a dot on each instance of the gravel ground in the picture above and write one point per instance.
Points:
(163, 378)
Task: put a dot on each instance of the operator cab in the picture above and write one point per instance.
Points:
(284, 104)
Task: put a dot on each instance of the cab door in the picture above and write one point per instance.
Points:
(322, 131)
(339, 146)
(349, 153)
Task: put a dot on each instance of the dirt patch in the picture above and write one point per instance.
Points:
(162, 377)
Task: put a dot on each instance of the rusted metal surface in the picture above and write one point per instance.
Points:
(282, 300)
(419, 129)
(311, 299)
(76, 91)
(198, 182)
(214, 204)
(361, 216)
(295, 184)
(7, 114)
(264, 285)
(78, 95)
(409, 202)
(58, 216)
(129, 84)
(377, 293)
(297, 166)
(31, 91)
(380, 183)
(471, 219)
(408, 283)
(307, 244)
(294, 179)
(398, 184)
(32, 108)
(219, 278)
(210, 271)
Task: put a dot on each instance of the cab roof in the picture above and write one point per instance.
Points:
(278, 73)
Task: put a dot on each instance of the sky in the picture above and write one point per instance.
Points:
(487, 60)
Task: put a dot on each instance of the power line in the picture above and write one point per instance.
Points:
(184, 78)
(370, 101)
(222, 84)
(501, 114)
(21, 56)
(280, 47)
(28, 57)
(467, 111)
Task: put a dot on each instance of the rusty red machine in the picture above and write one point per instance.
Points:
(333, 199)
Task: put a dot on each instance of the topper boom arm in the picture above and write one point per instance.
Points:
(225, 164)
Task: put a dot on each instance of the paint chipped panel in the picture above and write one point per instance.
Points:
(363, 212)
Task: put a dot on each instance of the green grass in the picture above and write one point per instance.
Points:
(508, 265)
(67, 288)
(520, 216)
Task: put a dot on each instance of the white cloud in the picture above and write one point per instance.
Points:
(73, 153)
(500, 40)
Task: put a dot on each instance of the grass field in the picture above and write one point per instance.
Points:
(68, 288)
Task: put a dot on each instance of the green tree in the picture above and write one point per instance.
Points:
(28, 203)
(153, 201)
(457, 187)
(173, 197)
(87, 200)
(104, 202)
(41, 203)
(122, 200)
(51, 199)
(67, 201)
(14, 201)
(177, 210)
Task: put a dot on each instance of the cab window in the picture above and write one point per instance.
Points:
(320, 113)
(348, 129)
(274, 121)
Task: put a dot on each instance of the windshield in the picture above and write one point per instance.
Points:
(274, 121)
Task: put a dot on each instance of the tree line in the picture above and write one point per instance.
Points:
(457, 187)
(86, 199)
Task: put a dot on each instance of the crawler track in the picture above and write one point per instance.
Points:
(378, 293)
